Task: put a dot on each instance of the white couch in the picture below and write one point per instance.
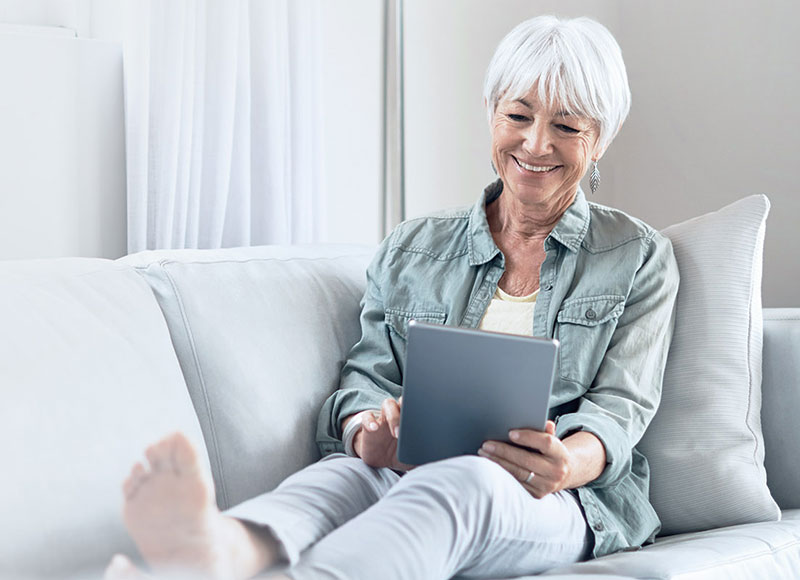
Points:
(239, 348)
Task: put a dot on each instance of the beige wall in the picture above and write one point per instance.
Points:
(715, 86)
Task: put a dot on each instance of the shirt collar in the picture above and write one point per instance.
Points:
(569, 231)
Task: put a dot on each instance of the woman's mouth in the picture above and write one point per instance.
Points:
(536, 168)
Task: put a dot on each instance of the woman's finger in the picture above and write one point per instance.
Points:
(391, 411)
(370, 421)
(545, 443)
(525, 458)
(536, 484)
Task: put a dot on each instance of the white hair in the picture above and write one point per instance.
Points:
(575, 63)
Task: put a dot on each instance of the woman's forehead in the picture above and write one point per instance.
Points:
(534, 103)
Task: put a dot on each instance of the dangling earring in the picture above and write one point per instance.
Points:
(594, 178)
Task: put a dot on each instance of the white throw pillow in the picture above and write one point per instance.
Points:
(705, 445)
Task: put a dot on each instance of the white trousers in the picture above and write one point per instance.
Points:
(467, 517)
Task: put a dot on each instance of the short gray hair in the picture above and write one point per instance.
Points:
(577, 64)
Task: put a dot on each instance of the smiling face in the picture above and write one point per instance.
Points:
(540, 152)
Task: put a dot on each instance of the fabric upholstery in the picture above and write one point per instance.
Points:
(705, 445)
(746, 552)
(89, 379)
(781, 386)
(261, 334)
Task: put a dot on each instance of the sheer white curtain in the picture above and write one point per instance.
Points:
(223, 123)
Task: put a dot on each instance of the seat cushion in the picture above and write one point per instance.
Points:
(89, 378)
(746, 552)
(261, 334)
(705, 444)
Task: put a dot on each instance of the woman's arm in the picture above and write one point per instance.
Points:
(597, 439)
(371, 373)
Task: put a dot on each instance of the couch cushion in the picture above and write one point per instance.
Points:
(89, 378)
(261, 334)
(747, 552)
(705, 445)
(781, 404)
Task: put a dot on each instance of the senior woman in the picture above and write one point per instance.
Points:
(533, 257)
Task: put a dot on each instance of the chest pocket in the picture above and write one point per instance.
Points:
(584, 328)
(397, 320)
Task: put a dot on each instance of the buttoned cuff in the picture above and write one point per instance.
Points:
(341, 404)
(611, 435)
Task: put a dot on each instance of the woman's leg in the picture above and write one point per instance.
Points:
(172, 517)
(465, 516)
(313, 502)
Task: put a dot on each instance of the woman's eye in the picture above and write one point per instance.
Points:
(567, 129)
(517, 118)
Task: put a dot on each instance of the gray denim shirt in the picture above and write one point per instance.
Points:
(608, 287)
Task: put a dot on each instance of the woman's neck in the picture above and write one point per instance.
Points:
(523, 223)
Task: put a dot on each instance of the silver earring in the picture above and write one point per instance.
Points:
(594, 178)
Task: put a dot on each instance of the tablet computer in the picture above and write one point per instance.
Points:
(463, 386)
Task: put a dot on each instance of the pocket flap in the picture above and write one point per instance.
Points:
(398, 320)
(591, 310)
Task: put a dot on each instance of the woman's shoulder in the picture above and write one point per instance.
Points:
(610, 228)
(440, 234)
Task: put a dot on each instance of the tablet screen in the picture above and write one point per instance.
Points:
(464, 386)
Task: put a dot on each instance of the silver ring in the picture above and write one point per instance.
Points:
(529, 478)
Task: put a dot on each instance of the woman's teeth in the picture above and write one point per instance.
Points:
(537, 168)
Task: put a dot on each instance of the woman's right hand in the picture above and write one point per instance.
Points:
(376, 441)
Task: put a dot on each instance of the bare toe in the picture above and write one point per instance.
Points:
(121, 568)
(183, 455)
(159, 461)
(137, 475)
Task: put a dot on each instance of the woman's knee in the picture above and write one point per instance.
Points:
(467, 475)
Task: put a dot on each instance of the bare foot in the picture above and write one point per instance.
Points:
(172, 517)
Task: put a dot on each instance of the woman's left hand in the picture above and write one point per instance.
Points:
(540, 453)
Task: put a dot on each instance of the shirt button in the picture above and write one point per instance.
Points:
(548, 287)
(591, 314)
(598, 526)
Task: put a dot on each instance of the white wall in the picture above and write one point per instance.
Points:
(352, 64)
(715, 89)
(62, 182)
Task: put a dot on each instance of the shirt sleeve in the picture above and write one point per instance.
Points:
(626, 391)
(371, 373)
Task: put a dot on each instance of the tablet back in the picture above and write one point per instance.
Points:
(463, 386)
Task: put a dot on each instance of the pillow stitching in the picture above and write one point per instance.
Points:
(750, 310)
(203, 389)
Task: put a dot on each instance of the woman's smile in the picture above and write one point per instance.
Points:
(535, 167)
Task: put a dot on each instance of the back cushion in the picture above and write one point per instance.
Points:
(705, 444)
(261, 334)
(781, 403)
(89, 378)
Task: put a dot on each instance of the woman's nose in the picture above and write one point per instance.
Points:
(537, 139)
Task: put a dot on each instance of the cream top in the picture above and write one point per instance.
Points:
(510, 314)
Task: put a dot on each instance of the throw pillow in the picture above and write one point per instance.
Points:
(705, 445)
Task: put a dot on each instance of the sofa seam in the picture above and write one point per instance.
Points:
(165, 262)
(203, 390)
(768, 552)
